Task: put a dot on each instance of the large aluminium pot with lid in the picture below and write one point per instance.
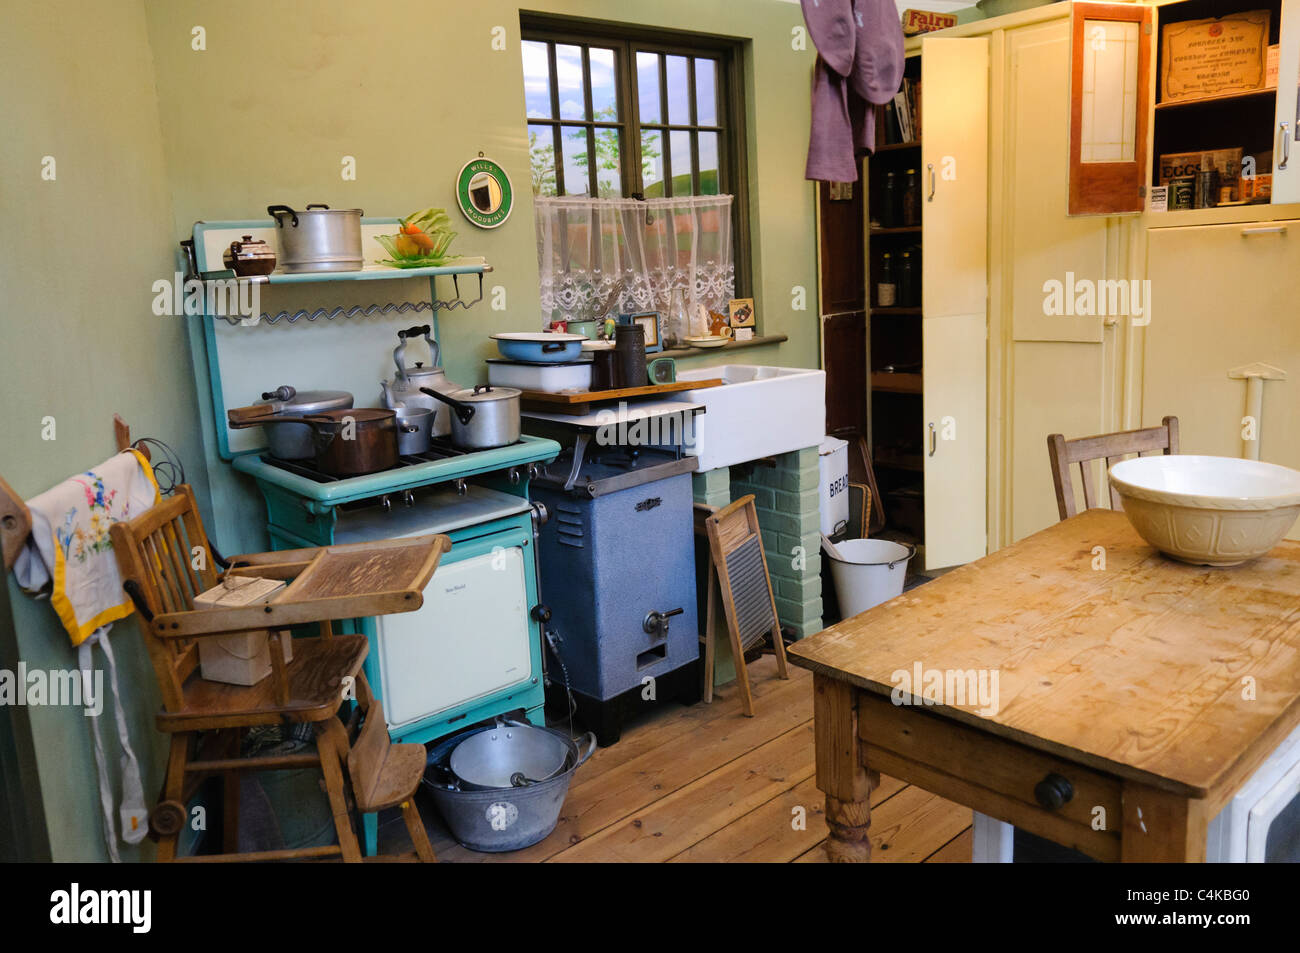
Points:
(482, 418)
(406, 389)
(289, 440)
(318, 238)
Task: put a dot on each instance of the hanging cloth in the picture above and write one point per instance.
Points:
(859, 66)
(70, 548)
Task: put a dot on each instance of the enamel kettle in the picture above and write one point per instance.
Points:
(404, 389)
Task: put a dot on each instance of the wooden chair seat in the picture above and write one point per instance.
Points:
(315, 690)
(397, 780)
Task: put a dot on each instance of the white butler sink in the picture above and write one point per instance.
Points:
(759, 411)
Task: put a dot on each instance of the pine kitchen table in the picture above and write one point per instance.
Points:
(1126, 696)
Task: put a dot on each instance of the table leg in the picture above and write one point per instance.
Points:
(1162, 827)
(841, 775)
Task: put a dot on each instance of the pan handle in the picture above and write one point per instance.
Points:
(463, 411)
(272, 209)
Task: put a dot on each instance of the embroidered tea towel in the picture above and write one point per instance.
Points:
(70, 545)
(70, 542)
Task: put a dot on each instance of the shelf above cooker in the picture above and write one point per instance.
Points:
(372, 271)
(211, 239)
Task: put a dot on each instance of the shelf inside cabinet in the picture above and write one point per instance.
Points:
(896, 230)
(897, 460)
(896, 311)
(898, 146)
(1224, 98)
(896, 383)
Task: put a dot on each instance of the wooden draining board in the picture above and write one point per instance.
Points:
(580, 402)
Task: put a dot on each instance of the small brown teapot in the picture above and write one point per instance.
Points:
(249, 256)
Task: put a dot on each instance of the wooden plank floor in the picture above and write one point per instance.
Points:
(706, 784)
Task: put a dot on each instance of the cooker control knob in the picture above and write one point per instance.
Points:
(541, 613)
(513, 476)
(1053, 792)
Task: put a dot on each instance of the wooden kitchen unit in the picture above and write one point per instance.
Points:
(1129, 695)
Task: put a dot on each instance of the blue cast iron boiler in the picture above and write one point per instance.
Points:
(618, 574)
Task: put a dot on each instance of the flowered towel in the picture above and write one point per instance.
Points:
(70, 542)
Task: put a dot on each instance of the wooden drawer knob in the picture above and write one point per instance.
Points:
(1054, 792)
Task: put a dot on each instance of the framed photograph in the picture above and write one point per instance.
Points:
(651, 321)
(741, 311)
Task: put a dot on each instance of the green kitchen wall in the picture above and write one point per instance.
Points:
(151, 134)
(82, 249)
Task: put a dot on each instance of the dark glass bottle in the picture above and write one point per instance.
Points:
(889, 204)
(911, 199)
(886, 284)
(906, 285)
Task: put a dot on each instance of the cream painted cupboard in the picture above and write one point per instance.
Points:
(1224, 310)
(999, 373)
(1215, 292)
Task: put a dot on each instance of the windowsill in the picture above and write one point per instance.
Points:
(756, 341)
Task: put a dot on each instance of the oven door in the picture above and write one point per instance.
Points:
(1273, 824)
(469, 640)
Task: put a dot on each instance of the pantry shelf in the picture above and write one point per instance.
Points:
(896, 383)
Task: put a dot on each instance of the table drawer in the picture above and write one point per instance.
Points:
(993, 775)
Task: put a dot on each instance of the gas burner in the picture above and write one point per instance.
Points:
(441, 449)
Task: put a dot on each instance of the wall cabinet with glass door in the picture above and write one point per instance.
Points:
(1210, 84)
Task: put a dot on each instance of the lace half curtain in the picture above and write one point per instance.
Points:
(598, 256)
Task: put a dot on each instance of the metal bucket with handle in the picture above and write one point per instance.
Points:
(526, 808)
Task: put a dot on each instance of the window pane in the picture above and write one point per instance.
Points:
(706, 95)
(577, 180)
(709, 163)
(652, 163)
(1109, 92)
(679, 93)
(679, 160)
(604, 88)
(541, 155)
(609, 170)
(537, 80)
(647, 84)
(568, 73)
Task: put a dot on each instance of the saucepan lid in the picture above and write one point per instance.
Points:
(288, 400)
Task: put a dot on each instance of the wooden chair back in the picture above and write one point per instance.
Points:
(1112, 447)
(165, 553)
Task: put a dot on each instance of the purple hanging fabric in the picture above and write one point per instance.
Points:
(860, 65)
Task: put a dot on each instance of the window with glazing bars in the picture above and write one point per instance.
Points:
(618, 116)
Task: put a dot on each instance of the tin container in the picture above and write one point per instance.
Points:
(1207, 188)
(1181, 192)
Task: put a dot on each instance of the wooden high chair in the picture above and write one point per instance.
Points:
(157, 553)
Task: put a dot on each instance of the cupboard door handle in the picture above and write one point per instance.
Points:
(1264, 230)
(930, 167)
(1286, 145)
(934, 440)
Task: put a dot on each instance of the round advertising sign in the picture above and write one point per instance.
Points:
(483, 193)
